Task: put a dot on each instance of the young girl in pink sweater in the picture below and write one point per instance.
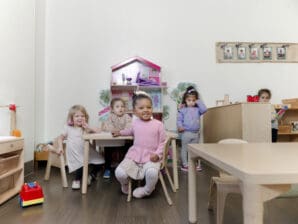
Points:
(143, 158)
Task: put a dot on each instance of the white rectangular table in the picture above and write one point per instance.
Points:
(265, 170)
(106, 139)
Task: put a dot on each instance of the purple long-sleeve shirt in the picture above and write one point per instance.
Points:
(189, 117)
(149, 138)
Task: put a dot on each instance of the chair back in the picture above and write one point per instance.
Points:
(164, 161)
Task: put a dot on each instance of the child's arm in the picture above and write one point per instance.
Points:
(128, 121)
(124, 132)
(155, 157)
(180, 119)
(108, 125)
(89, 129)
(202, 107)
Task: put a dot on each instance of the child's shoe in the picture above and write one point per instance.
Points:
(124, 188)
(107, 174)
(76, 184)
(139, 192)
(199, 168)
(184, 168)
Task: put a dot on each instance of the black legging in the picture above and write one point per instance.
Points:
(95, 168)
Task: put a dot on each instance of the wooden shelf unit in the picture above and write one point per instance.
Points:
(12, 166)
(247, 121)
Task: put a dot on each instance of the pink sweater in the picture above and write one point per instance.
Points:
(149, 138)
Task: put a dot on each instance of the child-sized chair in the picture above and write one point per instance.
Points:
(163, 169)
(223, 185)
(56, 160)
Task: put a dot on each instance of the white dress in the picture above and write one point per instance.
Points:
(75, 149)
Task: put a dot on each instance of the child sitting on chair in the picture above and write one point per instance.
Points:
(78, 125)
(143, 158)
(118, 120)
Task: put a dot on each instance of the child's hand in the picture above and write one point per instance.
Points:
(116, 133)
(60, 151)
(181, 105)
(181, 129)
(154, 158)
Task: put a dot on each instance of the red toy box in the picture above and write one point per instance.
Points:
(31, 194)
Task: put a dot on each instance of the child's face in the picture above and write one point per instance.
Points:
(264, 97)
(143, 109)
(190, 101)
(118, 108)
(78, 119)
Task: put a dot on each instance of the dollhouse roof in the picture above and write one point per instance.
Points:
(134, 59)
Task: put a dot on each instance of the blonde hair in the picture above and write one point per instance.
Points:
(73, 110)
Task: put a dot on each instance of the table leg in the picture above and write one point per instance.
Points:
(85, 167)
(175, 162)
(252, 203)
(192, 193)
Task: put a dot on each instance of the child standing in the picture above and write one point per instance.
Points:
(118, 120)
(77, 125)
(265, 96)
(188, 122)
(143, 158)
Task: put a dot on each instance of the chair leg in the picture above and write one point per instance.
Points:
(212, 194)
(129, 190)
(48, 169)
(170, 179)
(62, 170)
(169, 200)
(220, 205)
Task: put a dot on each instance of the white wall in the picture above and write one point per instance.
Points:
(17, 24)
(84, 38)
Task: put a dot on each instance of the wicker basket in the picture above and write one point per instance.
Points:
(284, 129)
(8, 162)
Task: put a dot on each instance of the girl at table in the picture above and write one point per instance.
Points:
(188, 122)
(118, 120)
(143, 158)
(77, 125)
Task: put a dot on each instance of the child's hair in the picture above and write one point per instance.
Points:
(190, 91)
(114, 100)
(138, 95)
(73, 110)
(261, 91)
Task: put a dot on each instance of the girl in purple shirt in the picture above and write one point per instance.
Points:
(143, 158)
(188, 122)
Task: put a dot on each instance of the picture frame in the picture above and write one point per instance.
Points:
(254, 53)
(241, 53)
(228, 52)
(267, 53)
(280, 53)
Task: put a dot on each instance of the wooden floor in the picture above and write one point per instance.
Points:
(104, 204)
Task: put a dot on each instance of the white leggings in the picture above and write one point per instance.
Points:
(151, 177)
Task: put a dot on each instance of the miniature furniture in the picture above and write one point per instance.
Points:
(163, 168)
(248, 121)
(56, 160)
(107, 138)
(223, 185)
(11, 166)
(138, 74)
(254, 164)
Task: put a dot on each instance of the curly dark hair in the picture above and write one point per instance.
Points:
(190, 91)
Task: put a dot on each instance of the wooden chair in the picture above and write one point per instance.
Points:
(163, 169)
(56, 160)
(223, 185)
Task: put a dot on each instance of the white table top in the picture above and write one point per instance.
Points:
(259, 163)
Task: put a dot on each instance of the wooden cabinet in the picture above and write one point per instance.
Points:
(138, 74)
(247, 121)
(11, 166)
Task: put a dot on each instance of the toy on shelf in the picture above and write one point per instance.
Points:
(31, 194)
(13, 131)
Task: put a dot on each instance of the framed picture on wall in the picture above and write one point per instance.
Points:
(254, 53)
(267, 53)
(228, 52)
(280, 53)
(241, 53)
